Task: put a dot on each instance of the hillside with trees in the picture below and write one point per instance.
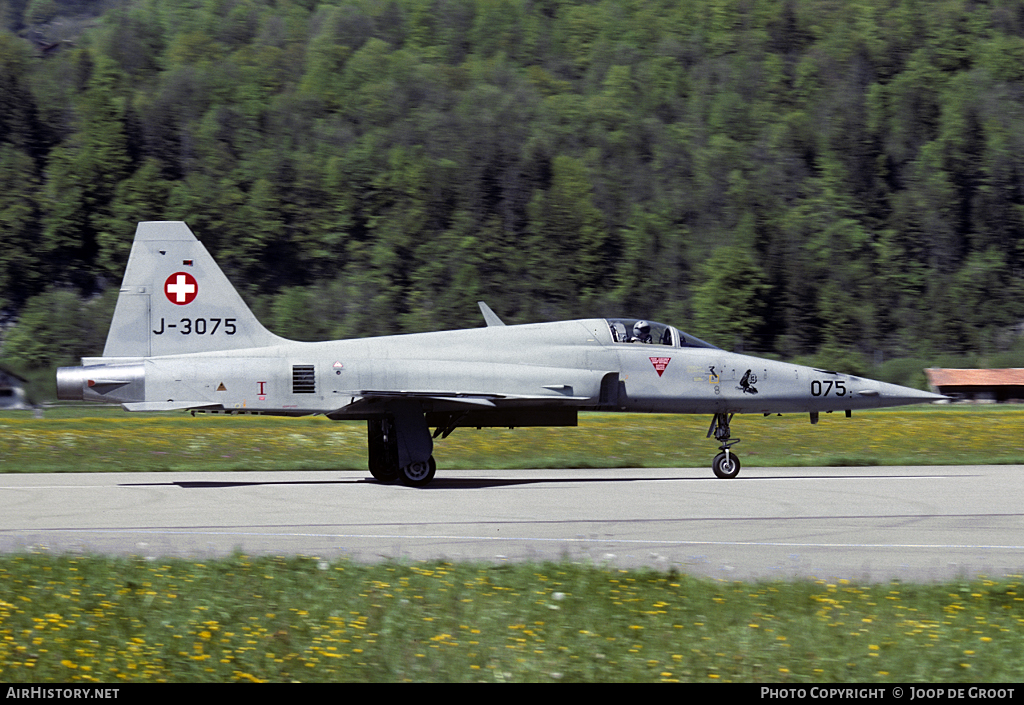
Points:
(800, 178)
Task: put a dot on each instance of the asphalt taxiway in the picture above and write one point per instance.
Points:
(880, 523)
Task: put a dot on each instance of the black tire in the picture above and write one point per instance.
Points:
(726, 468)
(386, 475)
(383, 450)
(418, 474)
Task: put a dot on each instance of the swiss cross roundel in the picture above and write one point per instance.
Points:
(181, 288)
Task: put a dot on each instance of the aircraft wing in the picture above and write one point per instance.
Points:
(171, 406)
(366, 400)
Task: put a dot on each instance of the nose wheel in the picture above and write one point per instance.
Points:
(726, 464)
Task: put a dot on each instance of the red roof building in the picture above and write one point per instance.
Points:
(978, 385)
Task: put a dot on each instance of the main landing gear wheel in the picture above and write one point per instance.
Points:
(726, 465)
(418, 474)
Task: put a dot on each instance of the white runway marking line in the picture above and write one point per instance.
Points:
(53, 487)
(443, 537)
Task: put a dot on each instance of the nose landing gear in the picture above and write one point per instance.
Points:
(726, 464)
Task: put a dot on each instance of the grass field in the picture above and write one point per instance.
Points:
(77, 440)
(79, 619)
(99, 619)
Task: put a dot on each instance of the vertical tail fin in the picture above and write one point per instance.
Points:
(175, 299)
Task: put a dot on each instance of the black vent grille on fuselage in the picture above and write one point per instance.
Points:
(303, 379)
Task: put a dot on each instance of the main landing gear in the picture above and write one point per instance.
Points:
(385, 460)
(725, 465)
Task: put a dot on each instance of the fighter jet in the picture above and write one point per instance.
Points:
(182, 339)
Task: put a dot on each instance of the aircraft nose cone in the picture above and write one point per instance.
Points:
(895, 395)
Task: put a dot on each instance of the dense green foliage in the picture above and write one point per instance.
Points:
(787, 177)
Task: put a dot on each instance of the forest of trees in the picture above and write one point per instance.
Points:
(792, 177)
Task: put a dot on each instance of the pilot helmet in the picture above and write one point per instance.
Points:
(641, 329)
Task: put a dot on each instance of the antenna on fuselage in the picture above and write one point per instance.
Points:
(490, 317)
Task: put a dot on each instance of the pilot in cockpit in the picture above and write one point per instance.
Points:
(641, 333)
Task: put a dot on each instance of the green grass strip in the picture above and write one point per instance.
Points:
(105, 440)
(87, 619)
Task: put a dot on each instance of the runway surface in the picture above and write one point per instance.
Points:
(911, 523)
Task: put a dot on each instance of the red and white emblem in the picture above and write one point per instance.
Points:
(181, 288)
(660, 363)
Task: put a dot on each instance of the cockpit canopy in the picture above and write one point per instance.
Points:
(640, 330)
